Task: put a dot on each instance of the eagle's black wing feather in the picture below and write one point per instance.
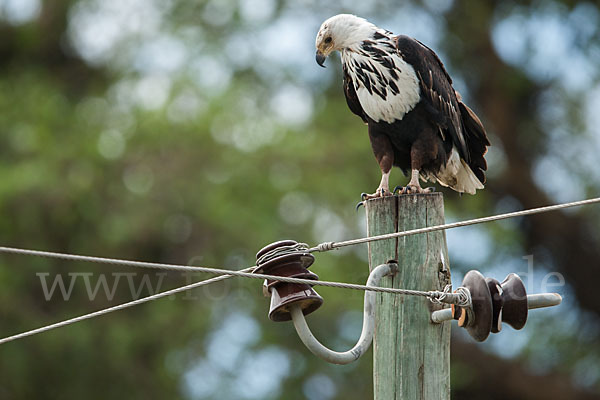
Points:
(351, 96)
(437, 92)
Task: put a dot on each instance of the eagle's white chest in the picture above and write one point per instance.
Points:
(386, 91)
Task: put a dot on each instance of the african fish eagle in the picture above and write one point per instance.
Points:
(416, 120)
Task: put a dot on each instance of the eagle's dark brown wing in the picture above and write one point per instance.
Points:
(436, 89)
(445, 105)
(477, 140)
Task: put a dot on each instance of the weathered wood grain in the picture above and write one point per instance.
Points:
(411, 357)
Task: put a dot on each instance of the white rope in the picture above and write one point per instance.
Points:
(326, 246)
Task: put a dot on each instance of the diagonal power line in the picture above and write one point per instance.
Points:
(116, 308)
(244, 273)
(326, 246)
(247, 273)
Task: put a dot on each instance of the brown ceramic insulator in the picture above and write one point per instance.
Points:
(456, 311)
(273, 246)
(459, 314)
(480, 327)
(306, 274)
(514, 296)
(497, 303)
(286, 294)
(463, 320)
(303, 259)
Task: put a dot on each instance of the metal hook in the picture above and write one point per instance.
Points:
(366, 336)
(539, 300)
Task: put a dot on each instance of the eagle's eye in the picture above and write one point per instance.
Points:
(328, 40)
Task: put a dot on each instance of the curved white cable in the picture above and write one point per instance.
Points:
(366, 336)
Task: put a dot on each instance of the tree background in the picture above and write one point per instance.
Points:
(198, 131)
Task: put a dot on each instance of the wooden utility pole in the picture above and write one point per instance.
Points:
(411, 355)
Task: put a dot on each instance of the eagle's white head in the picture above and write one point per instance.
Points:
(340, 32)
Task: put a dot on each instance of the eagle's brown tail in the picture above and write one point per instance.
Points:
(476, 140)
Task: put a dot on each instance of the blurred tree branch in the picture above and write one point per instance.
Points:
(508, 101)
(487, 376)
(205, 193)
(42, 44)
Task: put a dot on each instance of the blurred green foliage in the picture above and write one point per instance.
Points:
(197, 132)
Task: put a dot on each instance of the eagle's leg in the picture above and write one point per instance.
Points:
(423, 151)
(414, 186)
(384, 154)
(382, 190)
